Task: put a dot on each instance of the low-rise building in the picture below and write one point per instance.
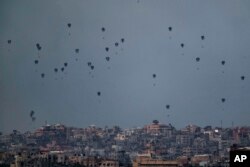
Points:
(145, 161)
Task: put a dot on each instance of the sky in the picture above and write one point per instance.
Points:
(191, 79)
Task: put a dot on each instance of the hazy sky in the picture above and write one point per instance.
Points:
(130, 96)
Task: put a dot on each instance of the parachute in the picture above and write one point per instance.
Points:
(32, 115)
(42, 75)
(107, 58)
(38, 46)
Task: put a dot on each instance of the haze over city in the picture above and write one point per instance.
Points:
(124, 63)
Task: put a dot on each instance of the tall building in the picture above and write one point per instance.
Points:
(157, 128)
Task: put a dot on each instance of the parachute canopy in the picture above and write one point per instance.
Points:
(107, 58)
(38, 46)
(32, 113)
(42, 75)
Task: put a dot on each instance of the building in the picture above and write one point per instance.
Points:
(145, 161)
(108, 163)
(157, 128)
(201, 160)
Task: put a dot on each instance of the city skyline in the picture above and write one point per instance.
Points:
(124, 63)
(154, 144)
(134, 127)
